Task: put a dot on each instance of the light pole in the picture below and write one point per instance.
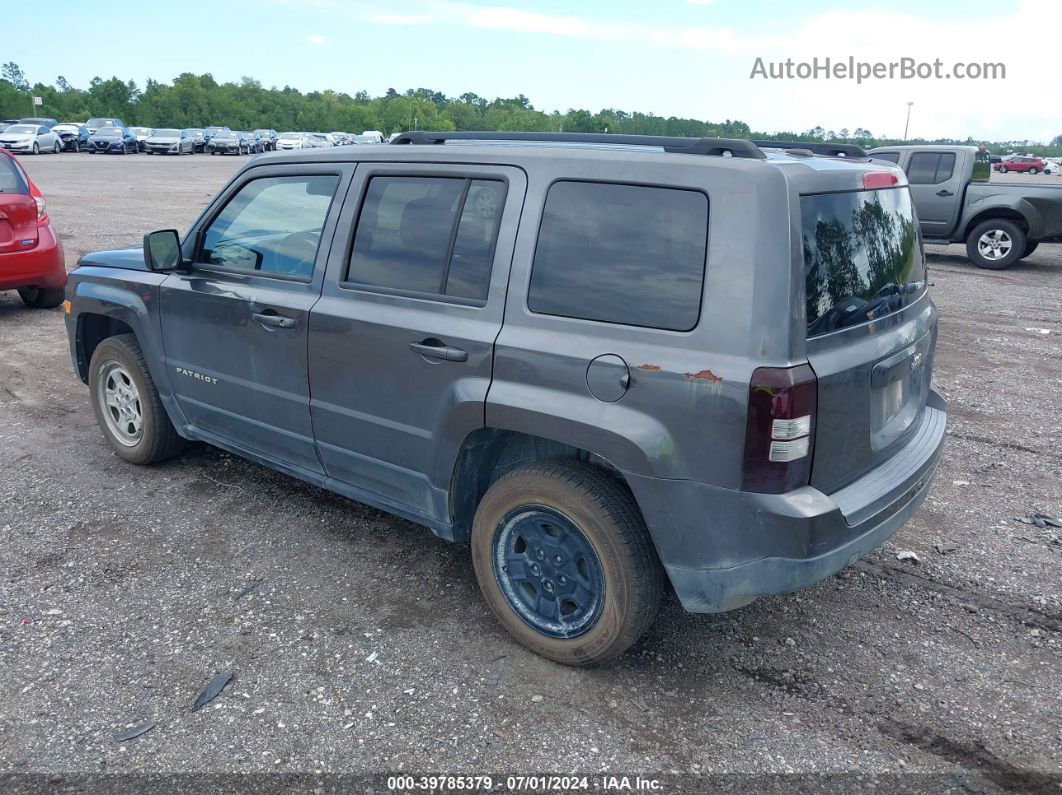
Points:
(908, 122)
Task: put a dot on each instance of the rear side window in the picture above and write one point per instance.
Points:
(862, 258)
(930, 168)
(431, 235)
(892, 157)
(11, 179)
(621, 254)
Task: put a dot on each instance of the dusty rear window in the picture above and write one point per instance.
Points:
(862, 257)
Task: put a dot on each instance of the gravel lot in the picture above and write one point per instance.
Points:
(124, 590)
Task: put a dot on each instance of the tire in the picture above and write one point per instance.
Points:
(594, 543)
(1009, 236)
(57, 148)
(1003, 170)
(41, 297)
(36, 148)
(1034, 170)
(118, 361)
(1030, 247)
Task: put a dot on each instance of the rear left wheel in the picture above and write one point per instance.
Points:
(564, 560)
(995, 244)
(41, 297)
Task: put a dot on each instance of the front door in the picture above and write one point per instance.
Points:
(234, 329)
(401, 343)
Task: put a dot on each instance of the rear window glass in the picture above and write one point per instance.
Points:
(621, 254)
(893, 157)
(11, 180)
(862, 257)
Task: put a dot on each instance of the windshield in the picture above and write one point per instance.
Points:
(291, 136)
(216, 129)
(862, 257)
(66, 127)
(99, 123)
(140, 130)
(109, 132)
(166, 134)
(22, 128)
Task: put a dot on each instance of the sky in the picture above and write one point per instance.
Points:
(691, 58)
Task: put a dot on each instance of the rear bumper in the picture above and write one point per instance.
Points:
(724, 548)
(44, 265)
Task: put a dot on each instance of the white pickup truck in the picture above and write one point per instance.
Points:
(999, 222)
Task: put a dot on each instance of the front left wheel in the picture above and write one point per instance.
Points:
(127, 404)
(564, 560)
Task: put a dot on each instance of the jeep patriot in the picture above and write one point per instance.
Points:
(613, 365)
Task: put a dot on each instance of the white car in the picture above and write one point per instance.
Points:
(293, 140)
(1052, 165)
(376, 134)
(30, 138)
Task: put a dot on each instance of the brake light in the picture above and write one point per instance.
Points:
(879, 179)
(42, 211)
(780, 430)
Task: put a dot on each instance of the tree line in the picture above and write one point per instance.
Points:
(193, 100)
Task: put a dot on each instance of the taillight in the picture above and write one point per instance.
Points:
(872, 180)
(780, 431)
(42, 211)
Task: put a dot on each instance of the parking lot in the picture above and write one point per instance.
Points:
(359, 642)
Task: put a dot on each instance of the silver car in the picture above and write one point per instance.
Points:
(141, 134)
(31, 139)
(169, 142)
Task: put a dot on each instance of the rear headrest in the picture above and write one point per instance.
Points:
(425, 223)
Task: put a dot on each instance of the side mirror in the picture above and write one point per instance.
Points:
(162, 250)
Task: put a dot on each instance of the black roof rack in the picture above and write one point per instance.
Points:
(690, 146)
(825, 149)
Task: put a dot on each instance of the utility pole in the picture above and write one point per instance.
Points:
(908, 122)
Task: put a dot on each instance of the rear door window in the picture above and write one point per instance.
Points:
(428, 236)
(930, 168)
(862, 257)
(621, 254)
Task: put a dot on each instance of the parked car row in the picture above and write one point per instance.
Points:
(110, 135)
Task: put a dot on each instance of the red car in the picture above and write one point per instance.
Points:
(31, 256)
(1033, 165)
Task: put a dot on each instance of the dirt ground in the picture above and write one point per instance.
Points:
(359, 643)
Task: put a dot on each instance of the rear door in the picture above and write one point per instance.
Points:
(235, 329)
(871, 328)
(936, 184)
(401, 343)
(18, 210)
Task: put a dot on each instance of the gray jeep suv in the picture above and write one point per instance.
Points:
(613, 365)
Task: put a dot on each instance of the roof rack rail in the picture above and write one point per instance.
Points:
(824, 149)
(690, 146)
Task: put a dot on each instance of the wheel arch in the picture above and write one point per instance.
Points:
(486, 454)
(1026, 218)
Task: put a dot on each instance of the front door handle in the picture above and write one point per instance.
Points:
(945, 192)
(436, 350)
(274, 320)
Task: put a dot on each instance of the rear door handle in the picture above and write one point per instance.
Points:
(944, 192)
(444, 352)
(276, 321)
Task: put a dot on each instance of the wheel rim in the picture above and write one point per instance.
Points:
(548, 571)
(120, 401)
(995, 244)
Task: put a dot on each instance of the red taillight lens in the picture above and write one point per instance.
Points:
(780, 431)
(872, 180)
(42, 211)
